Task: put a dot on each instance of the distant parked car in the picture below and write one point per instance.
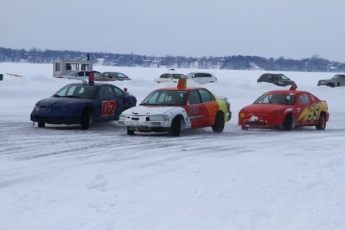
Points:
(169, 77)
(335, 81)
(112, 76)
(202, 78)
(277, 79)
(80, 75)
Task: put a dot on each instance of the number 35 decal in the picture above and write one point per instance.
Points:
(108, 108)
(314, 112)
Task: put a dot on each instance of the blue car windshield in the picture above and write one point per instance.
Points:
(78, 91)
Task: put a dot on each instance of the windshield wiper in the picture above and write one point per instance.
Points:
(71, 96)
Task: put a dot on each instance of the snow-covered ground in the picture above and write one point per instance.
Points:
(61, 177)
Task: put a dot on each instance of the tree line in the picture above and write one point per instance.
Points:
(235, 62)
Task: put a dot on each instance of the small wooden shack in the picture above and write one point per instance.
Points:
(63, 67)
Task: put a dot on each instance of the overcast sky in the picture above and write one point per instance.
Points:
(268, 28)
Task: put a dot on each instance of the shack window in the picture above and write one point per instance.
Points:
(58, 67)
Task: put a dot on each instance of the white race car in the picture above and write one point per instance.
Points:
(174, 109)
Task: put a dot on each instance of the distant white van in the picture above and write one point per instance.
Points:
(201, 77)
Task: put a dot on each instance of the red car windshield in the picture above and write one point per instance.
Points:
(280, 99)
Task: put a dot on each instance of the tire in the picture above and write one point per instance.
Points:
(331, 85)
(244, 128)
(289, 122)
(175, 128)
(41, 124)
(85, 119)
(218, 123)
(322, 122)
(130, 132)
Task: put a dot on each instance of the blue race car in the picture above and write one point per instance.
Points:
(83, 103)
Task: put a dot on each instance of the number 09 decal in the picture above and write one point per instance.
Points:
(108, 108)
(193, 111)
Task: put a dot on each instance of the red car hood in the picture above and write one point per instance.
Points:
(264, 108)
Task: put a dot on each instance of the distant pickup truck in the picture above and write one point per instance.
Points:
(335, 81)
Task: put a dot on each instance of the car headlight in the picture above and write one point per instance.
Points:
(159, 118)
(322, 82)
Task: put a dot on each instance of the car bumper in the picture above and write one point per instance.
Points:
(50, 118)
(228, 116)
(260, 121)
(142, 124)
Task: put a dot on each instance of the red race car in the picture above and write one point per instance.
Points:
(286, 109)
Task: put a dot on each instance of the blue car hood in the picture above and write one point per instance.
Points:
(60, 101)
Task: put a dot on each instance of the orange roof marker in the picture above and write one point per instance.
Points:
(293, 87)
(182, 83)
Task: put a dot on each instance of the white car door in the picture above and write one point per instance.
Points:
(165, 78)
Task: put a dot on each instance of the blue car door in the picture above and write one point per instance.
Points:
(108, 105)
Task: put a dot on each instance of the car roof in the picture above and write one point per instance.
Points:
(175, 88)
(286, 91)
(272, 74)
(94, 84)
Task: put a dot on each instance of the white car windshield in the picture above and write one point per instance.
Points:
(72, 73)
(178, 76)
(166, 97)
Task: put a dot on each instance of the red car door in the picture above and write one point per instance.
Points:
(211, 108)
(195, 109)
(307, 110)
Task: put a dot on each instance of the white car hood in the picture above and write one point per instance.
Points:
(150, 110)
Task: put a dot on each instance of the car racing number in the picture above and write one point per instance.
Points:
(311, 113)
(108, 108)
(193, 113)
(314, 112)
